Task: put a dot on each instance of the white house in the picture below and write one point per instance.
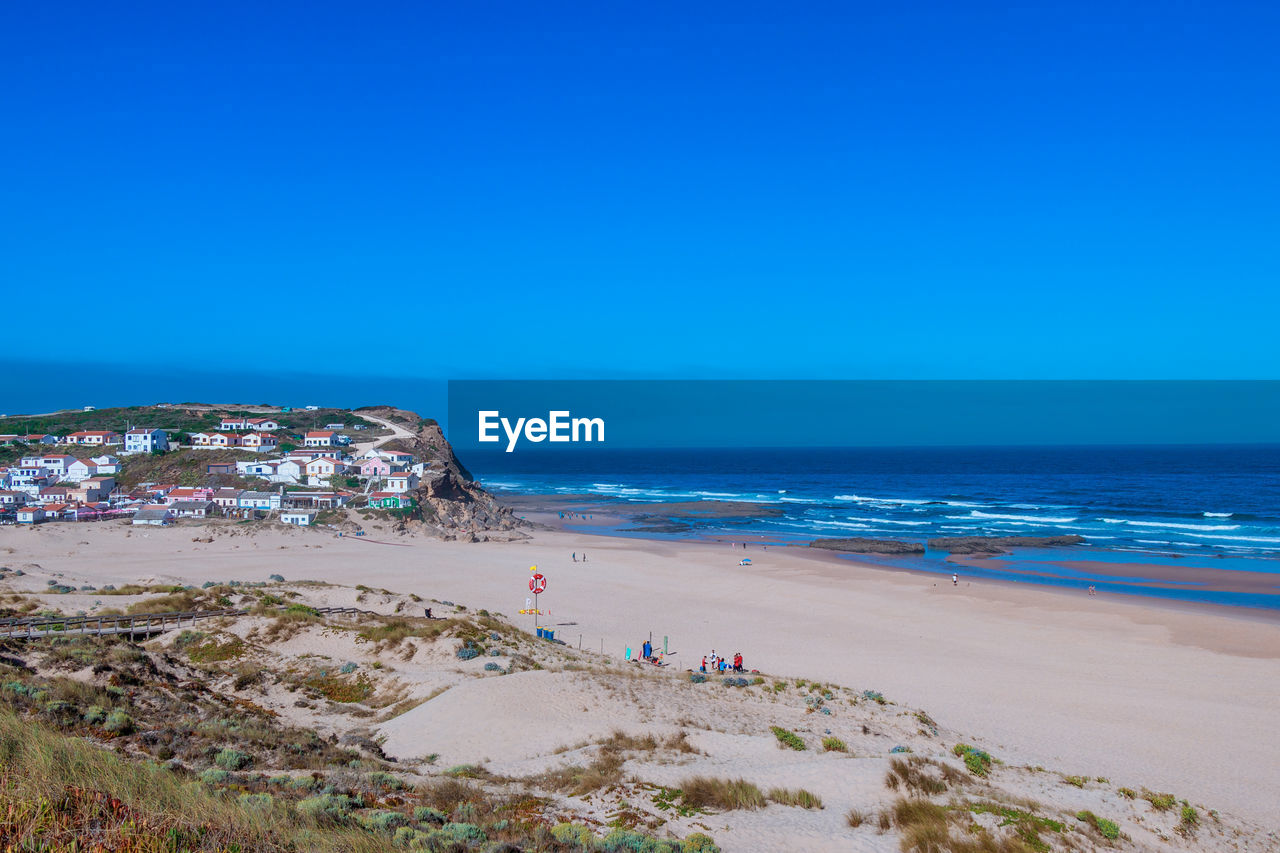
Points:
(107, 464)
(290, 471)
(12, 498)
(81, 469)
(232, 423)
(143, 440)
(320, 470)
(96, 437)
(259, 442)
(259, 500)
(56, 465)
(403, 481)
(261, 424)
(320, 438)
(227, 497)
(30, 515)
(150, 515)
(301, 519)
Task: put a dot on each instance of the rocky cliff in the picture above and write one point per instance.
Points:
(454, 505)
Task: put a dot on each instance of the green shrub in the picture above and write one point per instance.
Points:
(572, 833)
(214, 776)
(231, 759)
(464, 832)
(425, 814)
(118, 722)
(382, 820)
(1127, 793)
(385, 781)
(1160, 802)
(1190, 818)
(834, 744)
(978, 761)
(333, 807)
(94, 715)
(1108, 828)
(789, 739)
(698, 843)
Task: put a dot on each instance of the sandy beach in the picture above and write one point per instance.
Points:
(1087, 685)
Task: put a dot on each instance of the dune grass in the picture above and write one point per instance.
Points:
(798, 797)
(723, 794)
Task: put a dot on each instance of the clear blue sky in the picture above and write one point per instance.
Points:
(929, 190)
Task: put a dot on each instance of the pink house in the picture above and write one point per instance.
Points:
(375, 467)
(197, 494)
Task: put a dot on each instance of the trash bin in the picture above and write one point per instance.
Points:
(549, 635)
(541, 632)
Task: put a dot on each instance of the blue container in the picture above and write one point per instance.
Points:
(541, 632)
(550, 635)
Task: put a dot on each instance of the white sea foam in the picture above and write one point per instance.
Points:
(1218, 514)
(1169, 525)
(1044, 519)
(889, 521)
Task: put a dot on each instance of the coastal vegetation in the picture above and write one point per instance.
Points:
(251, 742)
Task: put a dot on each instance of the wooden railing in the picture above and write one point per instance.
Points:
(133, 623)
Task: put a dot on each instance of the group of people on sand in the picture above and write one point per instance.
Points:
(572, 515)
(715, 663)
(575, 556)
(647, 655)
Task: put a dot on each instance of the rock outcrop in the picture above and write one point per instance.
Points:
(1000, 544)
(864, 545)
(453, 504)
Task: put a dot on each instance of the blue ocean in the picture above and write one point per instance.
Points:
(1147, 503)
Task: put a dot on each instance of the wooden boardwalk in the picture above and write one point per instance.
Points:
(134, 624)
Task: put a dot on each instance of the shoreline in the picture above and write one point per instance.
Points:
(607, 522)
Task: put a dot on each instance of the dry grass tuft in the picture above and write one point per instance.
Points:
(723, 794)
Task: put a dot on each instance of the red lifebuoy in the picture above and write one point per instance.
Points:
(537, 584)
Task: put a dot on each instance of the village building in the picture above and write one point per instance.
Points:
(260, 500)
(95, 437)
(375, 467)
(107, 464)
(320, 470)
(150, 515)
(202, 493)
(195, 509)
(81, 469)
(259, 442)
(227, 498)
(30, 515)
(144, 440)
(320, 438)
(391, 500)
(403, 481)
(300, 519)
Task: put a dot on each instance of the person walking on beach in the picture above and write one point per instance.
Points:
(704, 663)
(584, 556)
(575, 556)
(647, 650)
(955, 579)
